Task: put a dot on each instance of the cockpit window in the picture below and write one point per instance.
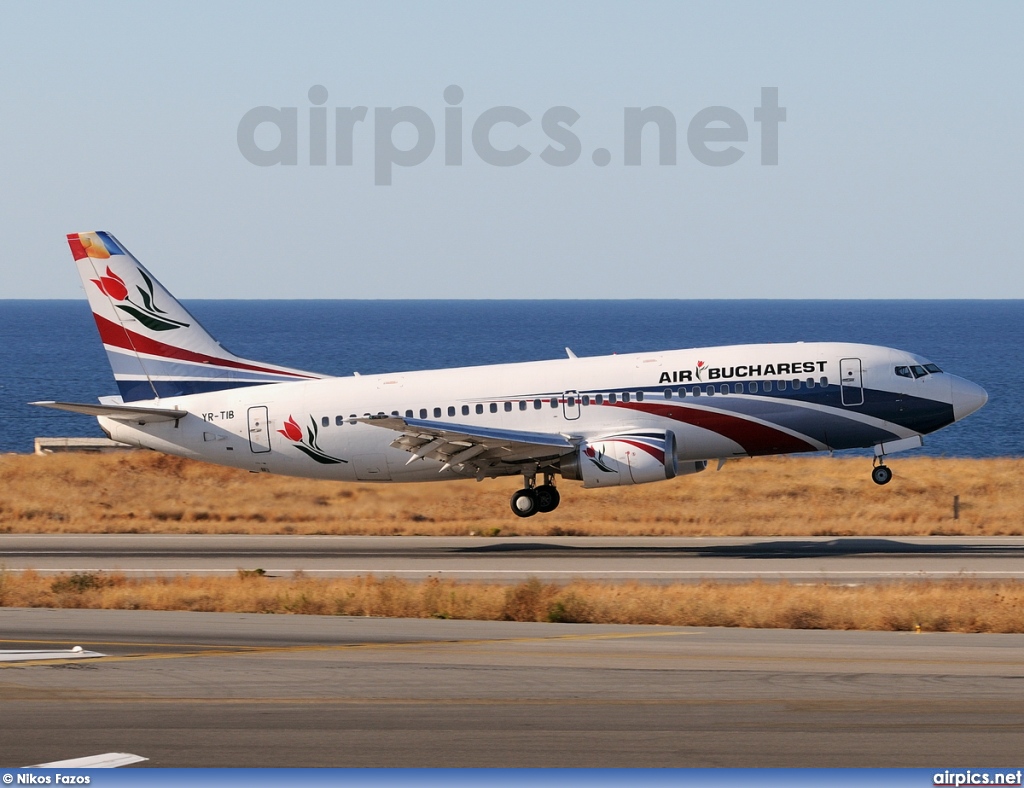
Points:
(932, 368)
(903, 372)
(919, 372)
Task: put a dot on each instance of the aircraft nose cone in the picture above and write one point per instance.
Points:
(967, 397)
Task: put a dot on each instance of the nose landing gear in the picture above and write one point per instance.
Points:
(532, 499)
(881, 474)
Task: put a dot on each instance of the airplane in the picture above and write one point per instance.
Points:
(604, 421)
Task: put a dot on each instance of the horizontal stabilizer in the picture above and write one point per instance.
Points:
(121, 412)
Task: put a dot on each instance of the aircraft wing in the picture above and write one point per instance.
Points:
(139, 415)
(478, 448)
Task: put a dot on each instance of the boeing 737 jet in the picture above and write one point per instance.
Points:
(603, 421)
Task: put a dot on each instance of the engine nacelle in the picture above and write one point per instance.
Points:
(627, 458)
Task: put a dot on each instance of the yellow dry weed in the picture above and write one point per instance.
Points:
(940, 606)
(143, 492)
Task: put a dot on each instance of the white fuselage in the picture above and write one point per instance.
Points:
(721, 402)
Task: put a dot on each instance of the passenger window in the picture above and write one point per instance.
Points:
(767, 385)
(479, 408)
(710, 391)
(681, 393)
(611, 398)
(437, 413)
(554, 402)
(423, 413)
(782, 385)
(352, 418)
(752, 387)
(586, 400)
(696, 391)
(724, 388)
(823, 382)
(639, 396)
(738, 388)
(408, 414)
(508, 407)
(570, 402)
(394, 413)
(465, 410)
(339, 420)
(598, 399)
(903, 372)
(522, 404)
(537, 404)
(494, 407)
(326, 421)
(451, 410)
(625, 396)
(810, 383)
(796, 384)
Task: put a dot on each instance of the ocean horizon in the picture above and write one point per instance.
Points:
(51, 349)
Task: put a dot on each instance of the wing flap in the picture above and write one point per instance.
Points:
(475, 447)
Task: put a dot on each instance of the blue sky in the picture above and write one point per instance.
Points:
(900, 174)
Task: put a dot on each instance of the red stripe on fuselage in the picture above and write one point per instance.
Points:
(755, 438)
(117, 335)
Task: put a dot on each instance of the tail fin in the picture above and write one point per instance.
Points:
(156, 348)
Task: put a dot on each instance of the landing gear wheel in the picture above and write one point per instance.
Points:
(524, 503)
(881, 474)
(547, 497)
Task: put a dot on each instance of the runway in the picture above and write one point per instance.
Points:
(206, 689)
(654, 559)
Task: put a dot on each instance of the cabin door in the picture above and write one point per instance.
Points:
(851, 381)
(259, 430)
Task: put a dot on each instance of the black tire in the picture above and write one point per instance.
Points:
(547, 498)
(881, 475)
(524, 503)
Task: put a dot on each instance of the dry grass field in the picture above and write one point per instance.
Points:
(144, 492)
(948, 606)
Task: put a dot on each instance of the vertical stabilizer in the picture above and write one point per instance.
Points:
(155, 347)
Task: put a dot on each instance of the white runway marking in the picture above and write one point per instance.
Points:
(107, 760)
(25, 655)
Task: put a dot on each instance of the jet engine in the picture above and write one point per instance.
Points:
(627, 458)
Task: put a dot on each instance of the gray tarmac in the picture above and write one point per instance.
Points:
(654, 559)
(210, 689)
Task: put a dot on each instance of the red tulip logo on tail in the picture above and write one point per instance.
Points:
(100, 246)
(293, 432)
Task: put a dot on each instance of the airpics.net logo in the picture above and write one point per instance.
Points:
(716, 136)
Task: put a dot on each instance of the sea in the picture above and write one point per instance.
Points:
(50, 350)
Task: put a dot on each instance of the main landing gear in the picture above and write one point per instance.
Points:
(532, 499)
